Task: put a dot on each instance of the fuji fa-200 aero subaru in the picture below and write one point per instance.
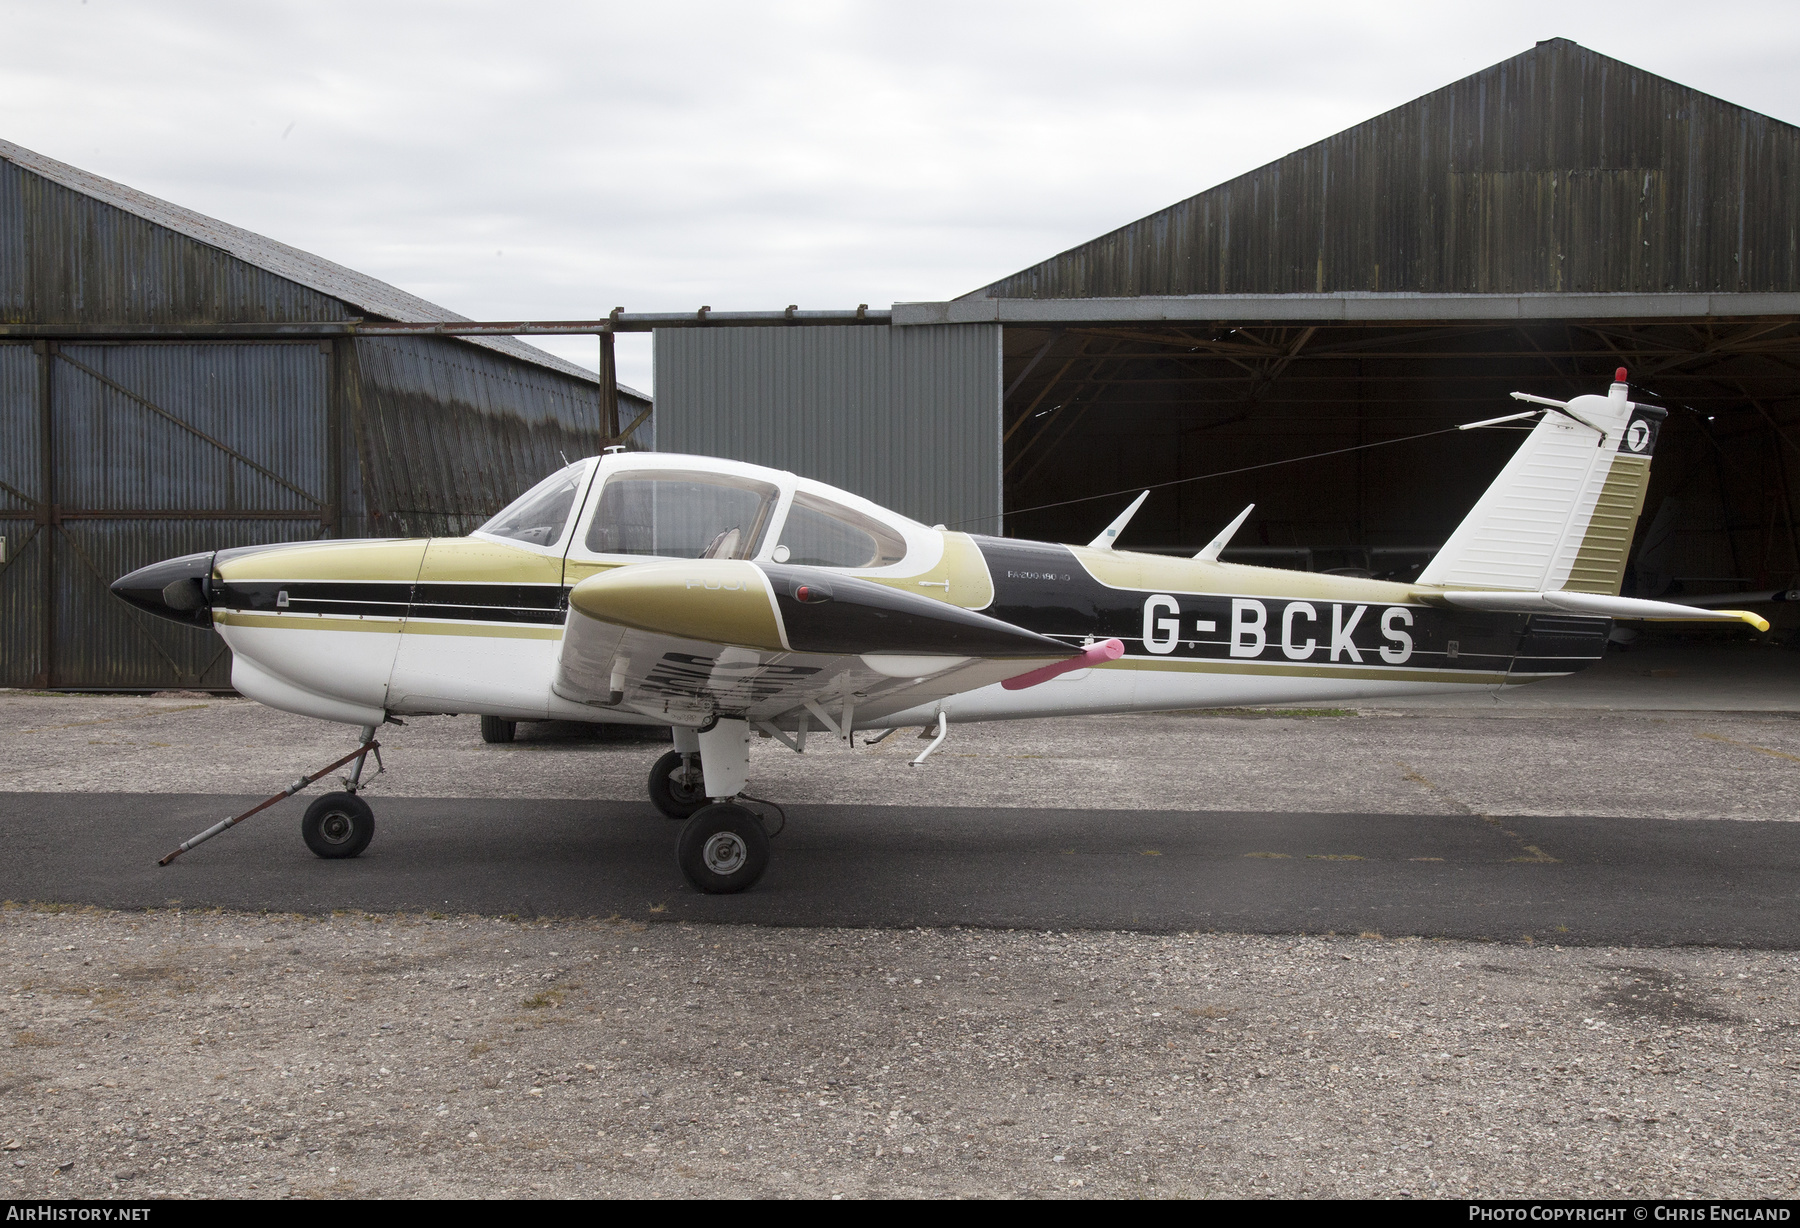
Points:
(727, 600)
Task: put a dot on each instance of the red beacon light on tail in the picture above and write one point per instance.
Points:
(1619, 376)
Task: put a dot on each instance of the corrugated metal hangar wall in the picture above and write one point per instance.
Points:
(1531, 228)
(908, 417)
(117, 452)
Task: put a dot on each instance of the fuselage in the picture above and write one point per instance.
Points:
(355, 631)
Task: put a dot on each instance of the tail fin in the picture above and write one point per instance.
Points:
(1560, 516)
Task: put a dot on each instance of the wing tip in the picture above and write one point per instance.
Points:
(1755, 620)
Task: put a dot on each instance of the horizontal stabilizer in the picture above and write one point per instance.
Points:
(1595, 605)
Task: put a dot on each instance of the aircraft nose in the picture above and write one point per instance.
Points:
(178, 589)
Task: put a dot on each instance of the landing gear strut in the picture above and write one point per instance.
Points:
(724, 847)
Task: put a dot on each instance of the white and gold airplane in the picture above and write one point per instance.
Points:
(726, 600)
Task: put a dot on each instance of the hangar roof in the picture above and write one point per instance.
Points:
(1558, 171)
(359, 290)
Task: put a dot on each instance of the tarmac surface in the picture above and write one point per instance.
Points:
(1570, 880)
(1571, 809)
(1535, 945)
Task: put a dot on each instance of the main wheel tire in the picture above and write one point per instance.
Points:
(678, 787)
(498, 729)
(338, 825)
(723, 849)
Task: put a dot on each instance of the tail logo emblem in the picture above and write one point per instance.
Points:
(1637, 437)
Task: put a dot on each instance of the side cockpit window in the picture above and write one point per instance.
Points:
(681, 515)
(820, 533)
(538, 516)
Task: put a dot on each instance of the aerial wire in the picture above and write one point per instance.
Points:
(1223, 473)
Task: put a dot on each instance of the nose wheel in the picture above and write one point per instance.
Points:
(338, 825)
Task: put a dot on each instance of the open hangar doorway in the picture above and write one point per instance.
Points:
(1111, 408)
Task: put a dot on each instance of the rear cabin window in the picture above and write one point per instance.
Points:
(537, 517)
(820, 533)
(681, 515)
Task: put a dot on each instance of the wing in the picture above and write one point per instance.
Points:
(684, 641)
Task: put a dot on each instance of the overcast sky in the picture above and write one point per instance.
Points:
(556, 160)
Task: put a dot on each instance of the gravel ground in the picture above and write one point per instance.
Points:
(1672, 765)
(267, 1055)
(277, 1056)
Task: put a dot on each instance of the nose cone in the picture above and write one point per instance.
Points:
(178, 589)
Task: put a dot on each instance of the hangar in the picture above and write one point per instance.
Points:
(170, 383)
(1307, 336)
(1531, 227)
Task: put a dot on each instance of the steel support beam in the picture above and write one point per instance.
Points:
(621, 322)
(609, 389)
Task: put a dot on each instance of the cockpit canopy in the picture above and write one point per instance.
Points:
(651, 505)
(681, 514)
(539, 516)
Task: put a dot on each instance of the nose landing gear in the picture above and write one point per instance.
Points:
(337, 825)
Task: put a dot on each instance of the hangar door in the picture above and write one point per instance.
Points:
(114, 456)
(908, 417)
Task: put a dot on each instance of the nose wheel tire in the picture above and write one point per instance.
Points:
(338, 825)
(498, 729)
(677, 785)
(723, 849)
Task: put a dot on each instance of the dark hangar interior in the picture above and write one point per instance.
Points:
(1605, 217)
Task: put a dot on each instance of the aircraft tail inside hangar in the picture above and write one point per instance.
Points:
(1529, 228)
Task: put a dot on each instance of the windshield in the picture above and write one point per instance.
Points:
(538, 516)
(821, 533)
(681, 515)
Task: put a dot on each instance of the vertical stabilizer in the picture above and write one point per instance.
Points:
(1561, 515)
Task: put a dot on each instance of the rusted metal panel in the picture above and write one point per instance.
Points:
(240, 426)
(81, 259)
(99, 250)
(19, 456)
(1559, 170)
(445, 436)
(170, 446)
(21, 574)
(12, 244)
(101, 641)
(155, 445)
(908, 417)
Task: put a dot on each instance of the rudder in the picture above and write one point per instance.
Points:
(1561, 515)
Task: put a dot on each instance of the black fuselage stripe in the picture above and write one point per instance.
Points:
(542, 604)
(1045, 588)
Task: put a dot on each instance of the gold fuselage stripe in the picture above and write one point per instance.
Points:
(385, 626)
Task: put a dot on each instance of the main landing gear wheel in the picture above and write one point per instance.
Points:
(498, 729)
(677, 785)
(723, 849)
(338, 825)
